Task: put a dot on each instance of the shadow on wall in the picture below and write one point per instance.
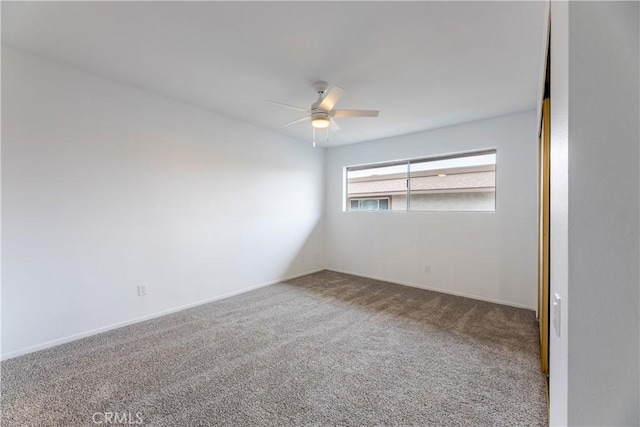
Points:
(309, 257)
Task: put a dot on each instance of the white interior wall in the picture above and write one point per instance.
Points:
(105, 186)
(604, 207)
(490, 256)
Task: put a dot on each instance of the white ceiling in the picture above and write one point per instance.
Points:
(422, 64)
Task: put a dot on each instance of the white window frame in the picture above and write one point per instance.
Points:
(408, 162)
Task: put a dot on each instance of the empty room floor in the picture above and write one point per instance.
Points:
(323, 349)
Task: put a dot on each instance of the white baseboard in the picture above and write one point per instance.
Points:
(80, 335)
(442, 291)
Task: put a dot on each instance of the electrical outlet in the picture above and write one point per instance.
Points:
(142, 289)
(427, 268)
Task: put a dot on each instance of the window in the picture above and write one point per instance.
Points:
(455, 182)
(369, 204)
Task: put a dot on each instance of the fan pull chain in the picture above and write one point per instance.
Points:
(314, 137)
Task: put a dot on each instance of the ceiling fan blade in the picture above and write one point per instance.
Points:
(292, 107)
(295, 121)
(331, 98)
(354, 113)
(333, 126)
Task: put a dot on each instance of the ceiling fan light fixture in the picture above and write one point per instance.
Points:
(320, 121)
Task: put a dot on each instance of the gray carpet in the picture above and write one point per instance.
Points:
(324, 349)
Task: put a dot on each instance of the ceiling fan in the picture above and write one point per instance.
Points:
(321, 114)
